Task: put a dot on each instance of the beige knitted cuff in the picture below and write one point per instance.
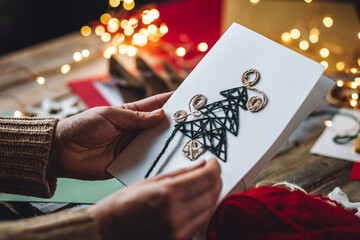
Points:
(25, 146)
(71, 224)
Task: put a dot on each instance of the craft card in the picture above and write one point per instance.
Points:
(241, 140)
(342, 124)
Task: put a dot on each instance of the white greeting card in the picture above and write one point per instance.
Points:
(293, 84)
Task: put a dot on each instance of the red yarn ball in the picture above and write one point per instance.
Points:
(278, 213)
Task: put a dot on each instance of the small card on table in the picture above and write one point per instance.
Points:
(293, 84)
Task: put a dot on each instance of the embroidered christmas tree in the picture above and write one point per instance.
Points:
(209, 130)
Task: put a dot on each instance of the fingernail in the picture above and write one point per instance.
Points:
(157, 111)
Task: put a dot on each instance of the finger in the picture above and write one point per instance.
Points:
(180, 171)
(148, 104)
(130, 120)
(195, 182)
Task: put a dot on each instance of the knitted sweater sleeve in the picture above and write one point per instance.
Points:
(25, 145)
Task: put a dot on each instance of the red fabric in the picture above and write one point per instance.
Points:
(85, 89)
(277, 213)
(355, 173)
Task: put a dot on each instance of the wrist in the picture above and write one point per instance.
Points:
(103, 217)
(53, 158)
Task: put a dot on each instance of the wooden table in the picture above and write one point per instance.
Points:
(316, 174)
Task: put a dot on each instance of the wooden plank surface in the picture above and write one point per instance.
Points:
(316, 174)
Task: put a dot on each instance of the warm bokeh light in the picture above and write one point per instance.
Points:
(99, 30)
(354, 85)
(357, 81)
(314, 38)
(114, 3)
(355, 96)
(144, 32)
(152, 29)
(133, 22)
(325, 64)
(118, 38)
(340, 66)
(107, 54)
(353, 103)
(85, 31)
(123, 49)
(353, 70)
(129, 31)
(154, 13)
(65, 68)
(132, 51)
(164, 29)
(328, 22)
(124, 23)
(324, 52)
(77, 56)
(358, 61)
(18, 114)
(286, 37)
(328, 123)
(295, 33)
(304, 45)
(128, 6)
(180, 51)
(254, 1)
(85, 53)
(314, 31)
(104, 19)
(202, 47)
(40, 80)
(106, 37)
(308, 1)
(113, 25)
(359, 35)
(128, 1)
(340, 83)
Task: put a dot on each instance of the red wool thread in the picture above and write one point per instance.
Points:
(277, 213)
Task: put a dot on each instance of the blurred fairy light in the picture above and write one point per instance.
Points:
(357, 81)
(104, 19)
(202, 47)
(359, 35)
(77, 56)
(304, 45)
(132, 51)
(324, 52)
(40, 80)
(113, 25)
(18, 114)
(85, 31)
(180, 51)
(340, 66)
(286, 37)
(65, 68)
(308, 1)
(328, 123)
(353, 70)
(114, 3)
(254, 1)
(340, 83)
(328, 22)
(353, 103)
(106, 37)
(358, 61)
(355, 96)
(164, 29)
(123, 49)
(325, 64)
(99, 30)
(152, 29)
(354, 85)
(295, 33)
(127, 5)
(85, 53)
(314, 38)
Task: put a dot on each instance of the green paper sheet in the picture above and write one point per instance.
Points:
(73, 191)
